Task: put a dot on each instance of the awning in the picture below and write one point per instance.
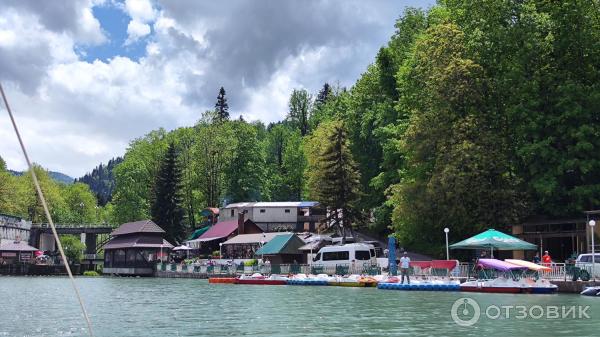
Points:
(252, 238)
(282, 244)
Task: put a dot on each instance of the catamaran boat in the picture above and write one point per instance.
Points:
(261, 279)
(430, 283)
(353, 281)
(535, 284)
(505, 282)
(310, 280)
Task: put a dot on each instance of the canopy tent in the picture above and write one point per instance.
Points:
(493, 239)
(498, 265)
(281, 244)
(529, 265)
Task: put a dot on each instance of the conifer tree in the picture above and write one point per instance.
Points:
(221, 107)
(333, 175)
(166, 209)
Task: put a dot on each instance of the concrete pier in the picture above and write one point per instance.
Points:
(574, 287)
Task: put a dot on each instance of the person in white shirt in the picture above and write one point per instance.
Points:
(404, 267)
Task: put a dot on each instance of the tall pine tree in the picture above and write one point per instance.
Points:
(221, 107)
(166, 209)
(333, 175)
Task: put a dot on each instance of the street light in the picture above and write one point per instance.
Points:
(592, 225)
(447, 230)
(220, 248)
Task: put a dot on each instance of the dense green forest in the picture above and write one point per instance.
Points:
(101, 180)
(68, 203)
(475, 114)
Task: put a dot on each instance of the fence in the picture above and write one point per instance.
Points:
(558, 272)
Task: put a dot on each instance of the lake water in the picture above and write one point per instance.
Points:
(46, 306)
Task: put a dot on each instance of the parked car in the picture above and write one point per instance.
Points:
(584, 261)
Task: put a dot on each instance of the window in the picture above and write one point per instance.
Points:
(287, 211)
(232, 213)
(263, 210)
(336, 256)
(317, 258)
(362, 255)
(372, 252)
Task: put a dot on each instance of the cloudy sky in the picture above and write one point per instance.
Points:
(84, 77)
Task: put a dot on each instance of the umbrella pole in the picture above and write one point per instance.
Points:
(492, 251)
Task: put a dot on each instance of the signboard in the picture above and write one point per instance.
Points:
(9, 254)
(26, 256)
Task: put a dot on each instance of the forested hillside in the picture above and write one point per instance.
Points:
(101, 180)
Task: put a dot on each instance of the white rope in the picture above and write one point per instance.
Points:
(43, 200)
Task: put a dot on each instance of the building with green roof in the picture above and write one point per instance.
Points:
(283, 249)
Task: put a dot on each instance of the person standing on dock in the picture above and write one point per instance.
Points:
(546, 259)
(536, 258)
(404, 267)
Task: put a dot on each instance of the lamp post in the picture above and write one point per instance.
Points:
(592, 225)
(220, 250)
(447, 230)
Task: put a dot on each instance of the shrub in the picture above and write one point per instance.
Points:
(90, 273)
(251, 263)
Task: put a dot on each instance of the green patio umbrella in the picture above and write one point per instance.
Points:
(493, 239)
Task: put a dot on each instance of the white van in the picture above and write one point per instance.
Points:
(352, 254)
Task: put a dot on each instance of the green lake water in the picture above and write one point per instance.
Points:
(46, 306)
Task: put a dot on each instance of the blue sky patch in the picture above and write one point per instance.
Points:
(114, 24)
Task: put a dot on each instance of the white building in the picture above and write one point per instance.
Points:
(13, 228)
(298, 216)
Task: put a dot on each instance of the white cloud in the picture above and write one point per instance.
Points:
(141, 13)
(136, 30)
(75, 114)
(140, 10)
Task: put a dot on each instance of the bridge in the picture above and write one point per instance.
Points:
(94, 236)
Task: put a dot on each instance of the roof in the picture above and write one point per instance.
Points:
(16, 246)
(273, 204)
(198, 232)
(219, 230)
(138, 241)
(240, 205)
(143, 226)
(252, 238)
(282, 244)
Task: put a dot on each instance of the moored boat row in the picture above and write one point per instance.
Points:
(510, 276)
